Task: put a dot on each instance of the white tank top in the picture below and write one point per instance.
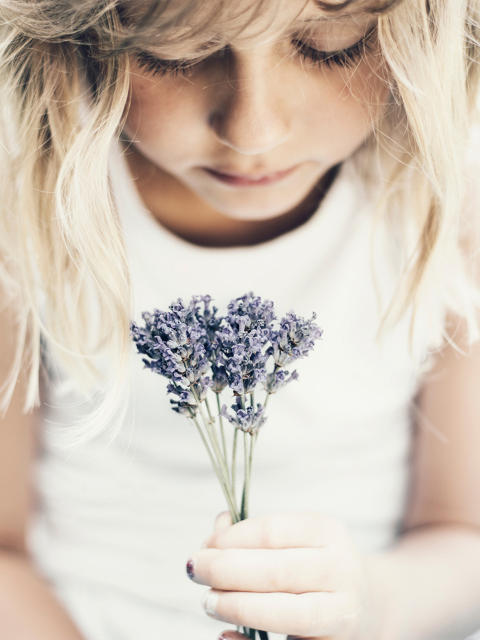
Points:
(114, 526)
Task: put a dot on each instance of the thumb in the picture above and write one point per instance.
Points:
(223, 521)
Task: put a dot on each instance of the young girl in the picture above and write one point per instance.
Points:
(321, 154)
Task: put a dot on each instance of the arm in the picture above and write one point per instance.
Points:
(299, 574)
(431, 580)
(28, 609)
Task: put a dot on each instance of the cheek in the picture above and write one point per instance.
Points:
(163, 116)
(342, 107)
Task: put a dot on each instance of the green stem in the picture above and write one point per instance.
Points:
(214, 439)
(266, 400)
(212, 425)
(249, 442)
(252, 443)
(244, 492)
(247, 475)
(221, 463)
(231, 505)
(242, 509)
(234, 459)
(212, 420)
(222, 431)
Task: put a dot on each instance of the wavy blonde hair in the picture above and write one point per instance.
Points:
(60, 241)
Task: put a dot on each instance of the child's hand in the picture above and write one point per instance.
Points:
(294, 573)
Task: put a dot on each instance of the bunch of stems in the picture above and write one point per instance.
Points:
(213, 437)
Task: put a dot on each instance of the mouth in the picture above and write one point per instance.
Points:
(250, 180)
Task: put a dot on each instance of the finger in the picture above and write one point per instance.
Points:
(280, 531)
(305, 614)
(223, 521)
(323, 638)
(232, 635)
(270, 570)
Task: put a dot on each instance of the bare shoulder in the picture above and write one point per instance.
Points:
(446, 473)
(17, 446)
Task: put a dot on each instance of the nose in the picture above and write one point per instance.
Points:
(250, 114)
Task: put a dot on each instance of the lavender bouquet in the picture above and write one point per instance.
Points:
(200, 352)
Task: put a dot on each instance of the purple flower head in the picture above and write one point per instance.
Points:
(186, 403)
(241, 356)
(249, 312)
(175, 342)
(295, 339)
(278, 379)
(209, 317)
(177, 346)
(249, 419)
(219, 377)
(239, 342)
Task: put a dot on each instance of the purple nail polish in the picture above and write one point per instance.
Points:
(190, 571)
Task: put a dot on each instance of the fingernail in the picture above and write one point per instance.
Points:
(222, 637)
(191, 568)
(209, 602)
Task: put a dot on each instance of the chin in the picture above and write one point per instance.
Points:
(253, 214)
(254, 208)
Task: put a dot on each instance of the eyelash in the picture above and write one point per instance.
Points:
(345, 58)
(159, 67)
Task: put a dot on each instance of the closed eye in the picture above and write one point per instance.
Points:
(160, 67)
(343, 58)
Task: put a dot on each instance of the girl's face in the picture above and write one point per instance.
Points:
(251, 130)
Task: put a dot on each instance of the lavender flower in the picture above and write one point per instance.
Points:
(209, 317)
(295, 339)
(239, 343)
(248, 420)
(187, 403)
(249, 312)
(177, 346)
(278, 379)
(219, 377)
(242, 359)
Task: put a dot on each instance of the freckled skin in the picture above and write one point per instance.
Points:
(256, 109)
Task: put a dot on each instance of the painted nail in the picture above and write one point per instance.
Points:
(190, 568)
(209, 602)
(222, 637)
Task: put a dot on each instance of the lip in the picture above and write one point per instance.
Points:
(249, 180)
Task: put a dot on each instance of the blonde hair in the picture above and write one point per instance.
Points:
(59, 240)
